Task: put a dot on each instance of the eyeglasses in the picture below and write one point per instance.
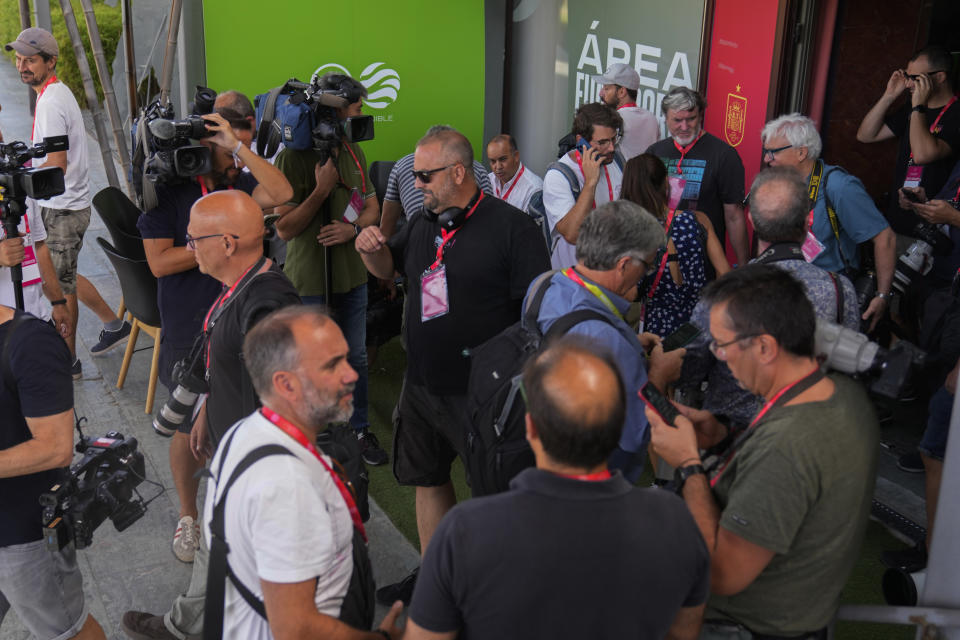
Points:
(646, 265)
(719, 349)
(606, 142)
(426, 175)
(192, 242)
(774, 152)
(913, 77)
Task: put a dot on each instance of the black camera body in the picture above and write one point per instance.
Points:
(100, 486)
(19, 182)
(189, 374)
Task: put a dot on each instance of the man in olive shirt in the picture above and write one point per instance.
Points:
(331, 202)
(784, 507)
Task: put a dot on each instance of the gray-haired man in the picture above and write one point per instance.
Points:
(617, 243)
(704, 170)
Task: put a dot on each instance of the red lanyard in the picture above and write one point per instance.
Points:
(663, 260)
(624, 106)
(599, 476)
(933, 126)
(605, 173)
(363, 178)
(203, 188)
(46, 84)
(448, 235)
(684, 150)
(298, 435)
(219, 302)
(753, 423)
(515, 181)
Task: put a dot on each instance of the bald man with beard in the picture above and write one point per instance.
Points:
(225, 233)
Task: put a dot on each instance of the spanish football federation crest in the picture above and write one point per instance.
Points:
(734, 121)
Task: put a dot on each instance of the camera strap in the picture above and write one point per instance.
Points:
(817, 181)
(792, 251)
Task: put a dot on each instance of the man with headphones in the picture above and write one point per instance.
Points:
(469, 259)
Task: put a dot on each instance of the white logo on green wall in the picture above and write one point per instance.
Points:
(381, 82)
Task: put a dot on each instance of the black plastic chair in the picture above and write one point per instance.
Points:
(118, 211)
(379, 174)
(139, 288)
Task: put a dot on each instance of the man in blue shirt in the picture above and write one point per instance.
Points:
(793, 141)
(615, 248)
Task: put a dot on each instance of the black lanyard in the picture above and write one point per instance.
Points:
(779, 252)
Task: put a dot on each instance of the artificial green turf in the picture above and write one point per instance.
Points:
(386, 376)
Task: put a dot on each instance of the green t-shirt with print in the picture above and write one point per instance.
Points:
(305, 265)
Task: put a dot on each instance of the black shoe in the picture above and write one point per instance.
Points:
(76, 370)
(370, 449)
(110, 339)
(910, 560)
(402, 590)
(910, 462)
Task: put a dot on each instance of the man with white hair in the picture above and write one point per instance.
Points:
(843, 214)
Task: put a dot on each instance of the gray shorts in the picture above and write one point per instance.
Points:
(44, 589)
(65, 229)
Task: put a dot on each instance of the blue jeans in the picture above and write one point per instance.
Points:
(350, 311)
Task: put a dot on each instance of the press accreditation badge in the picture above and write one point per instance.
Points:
(677, 185)
(914, 175)
(354, 207)
(434, 301)
(811, 247)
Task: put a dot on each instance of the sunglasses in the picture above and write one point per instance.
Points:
(914, 77)
(426, 175)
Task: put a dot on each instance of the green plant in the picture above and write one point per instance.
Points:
(110, 26)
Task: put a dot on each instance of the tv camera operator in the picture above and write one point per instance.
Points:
(44, 587)
(783, 506)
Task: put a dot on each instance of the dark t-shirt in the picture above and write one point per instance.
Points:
(39, 362)
(516, 565)
(945, 267)
(489, 263)
(714, 174)
(232, 396)
(183, 298)
(935, 174)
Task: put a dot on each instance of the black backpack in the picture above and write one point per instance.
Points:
(339, 441)
(497, 448)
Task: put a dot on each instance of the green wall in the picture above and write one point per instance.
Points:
(430, 55)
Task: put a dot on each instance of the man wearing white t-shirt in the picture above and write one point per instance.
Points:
(597, 128)
(619, 90)
(288, 520)
(67, 215)
(513, 182)
(31, 253)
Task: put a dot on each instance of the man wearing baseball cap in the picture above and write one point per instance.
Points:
(619, 90)
(67, 215)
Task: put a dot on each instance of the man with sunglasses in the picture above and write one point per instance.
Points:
(928, 128)
(469, 258)
(184, 294)
(582, 179)
(783, 503)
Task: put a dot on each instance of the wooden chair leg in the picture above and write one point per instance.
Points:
(154, 372)
(128, 354)
(122, 310)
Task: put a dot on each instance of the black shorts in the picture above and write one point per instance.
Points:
(428, 434)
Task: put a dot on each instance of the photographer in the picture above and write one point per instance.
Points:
(44, 587)
(39, 276)
(184, 294)
(783, 504)
(332, 201)
(943, 210)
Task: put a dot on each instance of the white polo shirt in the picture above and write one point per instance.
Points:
(519, 189)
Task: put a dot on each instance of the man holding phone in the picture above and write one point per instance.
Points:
(928, 128)
(597, 128)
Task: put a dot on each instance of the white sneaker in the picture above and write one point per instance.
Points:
(186, 539)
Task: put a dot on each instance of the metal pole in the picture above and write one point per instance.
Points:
(173, 26)
(91, 93)
(109, 97)
(25, 24)
(42, 14)
(131, 64)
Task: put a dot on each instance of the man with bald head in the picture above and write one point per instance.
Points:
(585, 536)
(469, 258)
(225, 236)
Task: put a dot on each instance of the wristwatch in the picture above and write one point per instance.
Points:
(885, 296)
(918, 107)
(356, 229)
(680, 475)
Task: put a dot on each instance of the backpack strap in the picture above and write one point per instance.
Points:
(537, 291)
(619, 159)
(569, 174)
(267, 141)
(564, 323)
(219, 570)
(838, 290)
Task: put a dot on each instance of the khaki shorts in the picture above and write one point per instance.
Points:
(65, 229)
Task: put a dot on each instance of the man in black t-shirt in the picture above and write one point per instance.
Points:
(225, 235)
(568, 551)
(469, 259)
(44, 588)
(707, 169)
(928, 129)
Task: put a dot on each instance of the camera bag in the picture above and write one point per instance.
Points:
(497, 447)
(282, 118)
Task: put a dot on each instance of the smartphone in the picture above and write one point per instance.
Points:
(912, 195)
(659, 403)
(683, 336)
(583, 145)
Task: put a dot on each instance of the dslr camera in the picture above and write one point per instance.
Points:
(917, 260)
(190, 377)
(101, 485)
